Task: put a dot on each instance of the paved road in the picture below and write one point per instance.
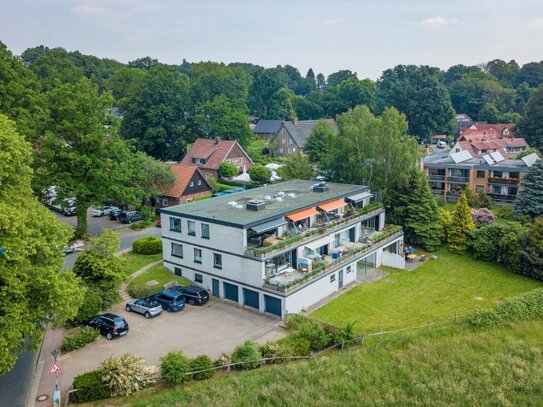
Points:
(15, 385)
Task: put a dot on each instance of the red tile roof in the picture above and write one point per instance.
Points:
(210, 151)
(183, 173)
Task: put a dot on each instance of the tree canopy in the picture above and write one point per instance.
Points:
(531, 125)
(530, 195)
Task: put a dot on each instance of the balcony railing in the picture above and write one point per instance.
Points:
(503, 198)
(437, 177)
(438, 191)
(366, 212)
(503, 181)
(378, 240)
(458, 179)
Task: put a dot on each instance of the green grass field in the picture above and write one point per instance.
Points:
(136, 261)
(160, 274)
(453, 367)
(434, 291)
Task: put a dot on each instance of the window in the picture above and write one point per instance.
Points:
(205, 231)
(479, 188)
(496, 189)
(191, 183)
(217, 260)
(177, 271)
(175, 224)
(177, 250)
(198, 256)
(164, 201)
(512, 191)
(198, 278)
(332, 278)
(498, 174)
(337, 240)
(191, 228)
(480, 174)
(349, 269)
(199, 182)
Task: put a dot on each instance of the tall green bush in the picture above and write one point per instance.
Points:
(316, 335)
(79, 338)
(249, 354)
(461, 225)
(147, 245)
(174, 367)
(89, 387)
(202, 362)
(91, 305)
(125, 374)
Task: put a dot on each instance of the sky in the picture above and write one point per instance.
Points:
(364, 36)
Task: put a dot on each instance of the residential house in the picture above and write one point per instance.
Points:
(266, 129)
(292, 135)
(208, 154)
(491, 173)
(478, 142)
(280, 248)
(190, 183)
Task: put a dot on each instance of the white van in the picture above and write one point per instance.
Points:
(441, 144)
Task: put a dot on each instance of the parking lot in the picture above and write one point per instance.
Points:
(96, 225)
(211, 329)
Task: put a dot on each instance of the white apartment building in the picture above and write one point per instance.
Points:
(280, 248)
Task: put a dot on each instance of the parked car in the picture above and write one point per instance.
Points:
(109, 325)
(441, 144)
(130, 216)
(114, 214)
(195, 295)
(171, 300)
(148, 307)
(103, 210)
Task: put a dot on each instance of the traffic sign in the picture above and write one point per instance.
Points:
(55, 368)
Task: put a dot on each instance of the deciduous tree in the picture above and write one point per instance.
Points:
(318, 142)
(531, 125)
(259, 173)
(296, 166)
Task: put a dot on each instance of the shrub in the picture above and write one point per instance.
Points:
(485, 317)
(174, 367)
(228, 170)
(125, 374)
(248, 353)
(201, 362)
(136, 291)
(505, 212)
(223, 360)
(346, 334)
(79, 338)
(147, 245)
(315, 334)
(482, 216)
(89, 387)
(92, 304)
(259, 173)
(293, 346)
(295, 321)
(148, 213)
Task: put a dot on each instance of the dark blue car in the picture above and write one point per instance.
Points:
(171, 300)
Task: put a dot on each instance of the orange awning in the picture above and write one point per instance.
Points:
(330, 206)
(305, 213)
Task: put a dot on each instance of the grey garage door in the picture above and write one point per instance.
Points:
(250, 298)
(231, 292)
(272, 305)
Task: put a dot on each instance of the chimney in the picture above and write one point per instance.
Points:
(295, 121)
(217, 141)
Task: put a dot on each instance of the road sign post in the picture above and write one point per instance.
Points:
(56, 369)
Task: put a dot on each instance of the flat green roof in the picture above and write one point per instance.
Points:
(218, 209)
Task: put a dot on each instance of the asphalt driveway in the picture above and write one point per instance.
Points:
(211, 329)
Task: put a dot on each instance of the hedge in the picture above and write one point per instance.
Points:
(80, 338)
(142, 291)
(89, 388)
(147, 245)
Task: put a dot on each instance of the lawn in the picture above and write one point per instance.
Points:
(456, 366)
(160, 274)
(436, 290)
(136, 261)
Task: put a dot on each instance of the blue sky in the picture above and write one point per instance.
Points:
(363, 36)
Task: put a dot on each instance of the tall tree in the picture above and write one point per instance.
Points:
(321, 81)
(505, 72)
(268, 94)
(419, 93)
(156, 111)
(336, 78)
(56, 67)
(462, 224)
(372, 150)
(354, 92)
(144, 63)
(296, 166)
(319, 141)
(531, 125)
(530, 195)
(531, 73)
(34, 290)
(121, 81)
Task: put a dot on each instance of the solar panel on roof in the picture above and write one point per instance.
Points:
(488, 159)
(496, 156)
(461, 156)
(530, 159)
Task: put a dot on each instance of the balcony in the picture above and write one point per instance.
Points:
(503, 198)
(438, 191)
(458, 179)
(437, 177)
(361, 214)
(296, 279)
(503, 181)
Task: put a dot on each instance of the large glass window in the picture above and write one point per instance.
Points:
(175, 224)
(197, 255)
(480, 174)
(198, 277)
(191, 228)
(177, 250)
(205, 231)
(217, 260)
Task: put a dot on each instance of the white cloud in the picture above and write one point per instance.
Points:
(87, 10)
(436, 22)
(333, 21)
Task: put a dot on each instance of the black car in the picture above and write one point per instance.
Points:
(114, 214)
(109, 325)
(195, 295)
(171, 300)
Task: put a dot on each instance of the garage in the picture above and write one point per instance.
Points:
(250, 298)
(231, 292)
(272, 305)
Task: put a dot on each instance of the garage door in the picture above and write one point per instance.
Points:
(231, 292)
(250, 298)
(272, 305)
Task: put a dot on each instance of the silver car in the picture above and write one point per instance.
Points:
(148, 307)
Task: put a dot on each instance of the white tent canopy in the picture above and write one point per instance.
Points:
(273, 166)
(274, 176)
(243, 177)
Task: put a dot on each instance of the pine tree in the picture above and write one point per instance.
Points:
(462, 224)
(422, 223)
(530, 196)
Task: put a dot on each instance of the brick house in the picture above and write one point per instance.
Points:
(292, 135)
(190, 183)
(266, 129)
(208, 155)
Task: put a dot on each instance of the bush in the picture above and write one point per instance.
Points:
(295, 321)
(92, 304)
(259, 173)
(293, 346)
(89, 388)
(147, 245)
(148, 213)
(79, 338)
(201, 362)
(482, 216)
(505, 212)
(223, 360)
(228, 170)
(174, 367)
(125, 374)
(136, 291)
(346, 334)
(248, 353)
(144, 224)
(315, 334)
(269, 349)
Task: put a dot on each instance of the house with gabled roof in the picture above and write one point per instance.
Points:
(208, 154)
(266, 129)
(292, 135)
(190, 183)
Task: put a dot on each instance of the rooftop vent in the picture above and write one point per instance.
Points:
(255, 205)
(321, 187)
